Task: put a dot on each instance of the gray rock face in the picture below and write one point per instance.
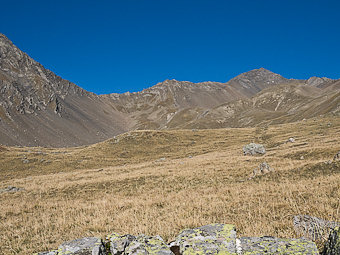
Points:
(10, 189)
(83, 246)
(332, 246)
(253, 149)
(272, 245)
(209, 239)
(312, 227)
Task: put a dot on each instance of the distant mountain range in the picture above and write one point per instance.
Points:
(39, 108)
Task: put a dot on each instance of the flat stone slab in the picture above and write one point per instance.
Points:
(272, 245)
(83, 246)
(209, 239)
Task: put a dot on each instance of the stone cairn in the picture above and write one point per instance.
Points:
(210, 239)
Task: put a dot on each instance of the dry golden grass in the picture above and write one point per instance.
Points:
(122, 186)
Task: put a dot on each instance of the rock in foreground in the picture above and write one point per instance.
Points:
(332, 246)
(213, 239)
(209, 239)
(131, 245)
(83, 246)
(272, 245)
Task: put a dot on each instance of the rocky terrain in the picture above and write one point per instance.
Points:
(39, 108)
(208, 239)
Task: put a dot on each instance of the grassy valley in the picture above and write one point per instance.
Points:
(159, 182)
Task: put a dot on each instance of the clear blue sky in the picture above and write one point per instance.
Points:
(127, 45)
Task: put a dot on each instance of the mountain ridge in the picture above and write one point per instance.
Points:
(39, 108)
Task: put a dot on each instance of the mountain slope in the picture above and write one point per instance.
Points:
(39, 108)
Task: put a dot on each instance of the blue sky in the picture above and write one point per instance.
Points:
(127, 45)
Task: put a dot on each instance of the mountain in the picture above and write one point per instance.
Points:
(39, 108)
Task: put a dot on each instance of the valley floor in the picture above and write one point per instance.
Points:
(160, 182)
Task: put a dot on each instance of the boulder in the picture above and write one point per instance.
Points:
(253, 149)
(209, 239)
(132, 245)
(312, 227)
(83, 246)
(118, 243)
(332, 246)
(272, 245)
(148, 245)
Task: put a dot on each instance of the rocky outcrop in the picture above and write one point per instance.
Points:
(253, 149)
(209, 239)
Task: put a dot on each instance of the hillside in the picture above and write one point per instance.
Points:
(160, 182)
(39, 108)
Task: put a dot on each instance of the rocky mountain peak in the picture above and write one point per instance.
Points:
(251, 82)
(318, 81)
(258, 76)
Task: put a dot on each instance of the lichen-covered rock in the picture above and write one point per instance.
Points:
(83, 246)
(272, 245)
(312, 227)
(209, 239)
(148, 245)
(253, 149)
(332, 246)
(118, 243)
